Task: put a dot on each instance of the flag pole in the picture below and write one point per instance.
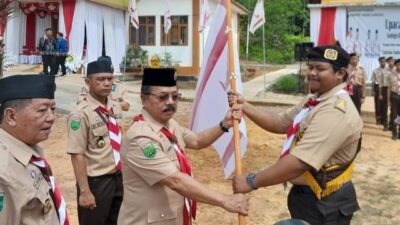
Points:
(236, 134)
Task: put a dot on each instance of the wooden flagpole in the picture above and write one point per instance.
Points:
(236, 134)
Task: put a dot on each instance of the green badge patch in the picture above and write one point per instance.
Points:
(1, 201)
(75, 122)
(149, 150)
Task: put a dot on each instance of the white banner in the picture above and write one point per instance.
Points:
(373, 32)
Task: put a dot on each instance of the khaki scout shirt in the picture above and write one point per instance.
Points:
(394, 82)
(377, 75)
(385, 79)
(88, 134)
(359, 78)
(118, 92)
(330, 132)
(145, 200)
(24, 193)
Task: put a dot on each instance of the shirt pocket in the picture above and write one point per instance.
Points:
(163, 216)
(100, 137)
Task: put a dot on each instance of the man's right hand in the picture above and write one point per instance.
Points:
(380, 97)
(237, 203)
(87, 200)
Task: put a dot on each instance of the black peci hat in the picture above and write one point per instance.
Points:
(164, 77)
(26, 87)
(99, 66)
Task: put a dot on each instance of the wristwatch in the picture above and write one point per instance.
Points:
(224, 129)
(251, 180)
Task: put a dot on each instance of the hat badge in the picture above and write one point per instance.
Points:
(330, 54)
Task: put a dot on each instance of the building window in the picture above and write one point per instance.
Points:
(146, 34)
(178, 34)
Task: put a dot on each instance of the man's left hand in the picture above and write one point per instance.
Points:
(239, 184)
(362, 100)
(234, 113)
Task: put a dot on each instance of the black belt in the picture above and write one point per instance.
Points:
(302, 189)
(118, 173)
(394, 93)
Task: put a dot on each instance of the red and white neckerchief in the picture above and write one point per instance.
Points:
(190, 206)
(58, 200)
(294, 127)
(350, 83)
(115, 135)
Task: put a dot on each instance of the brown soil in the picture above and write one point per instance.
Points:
(376, 178)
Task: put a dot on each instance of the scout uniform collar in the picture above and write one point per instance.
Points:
(155, 125)
(331, 92)
(21, 151)
(94, 103)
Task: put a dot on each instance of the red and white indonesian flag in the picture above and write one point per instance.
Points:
(258, 18)
(167, 18)
(134, 14)
(211, 103)
(205, 15)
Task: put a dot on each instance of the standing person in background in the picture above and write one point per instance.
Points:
(384, 91)
(356, 81)
(377, 75)
(394, 87)
(47, 48)
(391, 69)
(94, 139)
(62, 51)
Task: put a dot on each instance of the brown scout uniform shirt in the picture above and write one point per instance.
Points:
(385, 79)
(88, 134)
(394, 82)
(377, 75)
(24, 193)
(145, 200)
(118, 92)
(359, 78)
(330, 132)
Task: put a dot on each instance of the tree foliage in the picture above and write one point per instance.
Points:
(287, 22)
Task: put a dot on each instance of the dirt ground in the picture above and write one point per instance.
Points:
(377, 175)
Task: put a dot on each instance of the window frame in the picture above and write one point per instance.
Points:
(146, 25)
(179, 26)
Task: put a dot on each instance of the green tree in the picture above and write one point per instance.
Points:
(287, 22)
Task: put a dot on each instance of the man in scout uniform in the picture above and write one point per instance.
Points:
(158, 183)
(94, 139)
(384, 92)
(118, 91)
(356, 81)
(391, 70)
(323, 138)
(377, 75)
(28, 192)
(394, 87)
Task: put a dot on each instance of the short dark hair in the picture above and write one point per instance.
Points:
(381, 58)
(389, 58)
(49, 29)
(145, 90)
(16, 104)
(61, 34)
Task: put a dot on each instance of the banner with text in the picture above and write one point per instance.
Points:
(373, 32)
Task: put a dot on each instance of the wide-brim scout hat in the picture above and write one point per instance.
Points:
(27, 87)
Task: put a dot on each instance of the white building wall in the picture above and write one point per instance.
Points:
(178, 8)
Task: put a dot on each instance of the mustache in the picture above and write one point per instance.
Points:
(169, 108)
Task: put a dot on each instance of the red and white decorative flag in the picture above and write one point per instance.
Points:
(210, 104)
(58, 199)
(167, 18)
(133, 10)
(258, 18)
(205, 15)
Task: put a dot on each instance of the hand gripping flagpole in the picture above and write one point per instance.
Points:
(236, 134)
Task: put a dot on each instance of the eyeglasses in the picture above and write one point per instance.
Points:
(162, 97)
